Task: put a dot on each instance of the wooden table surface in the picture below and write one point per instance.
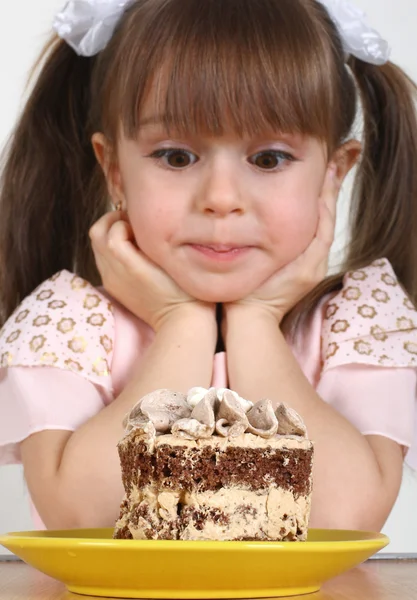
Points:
(374, 580)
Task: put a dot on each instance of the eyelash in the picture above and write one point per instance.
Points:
(159, 155)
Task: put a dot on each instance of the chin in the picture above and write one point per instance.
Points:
(218, 292)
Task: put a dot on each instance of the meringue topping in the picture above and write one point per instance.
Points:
(203, 413)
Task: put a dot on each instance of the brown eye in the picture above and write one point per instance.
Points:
(271, 160)
(173, 158)
(178, 159)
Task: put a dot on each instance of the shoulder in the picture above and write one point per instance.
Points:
(66, 323)
(370, 321)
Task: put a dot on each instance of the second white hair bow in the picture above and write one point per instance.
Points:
(358, 37)
(88, 25)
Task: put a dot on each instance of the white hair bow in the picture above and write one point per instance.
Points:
(358, 37)
(88, 25)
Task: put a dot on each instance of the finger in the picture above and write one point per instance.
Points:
(327, 209)
(316, 255)
(99, 231)
(121, 242)
(331, 189)
(121, 231)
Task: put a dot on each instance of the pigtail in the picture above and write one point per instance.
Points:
(51, 190)
(384, 201)
(383, 213)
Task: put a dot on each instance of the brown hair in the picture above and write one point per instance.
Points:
(245, 64)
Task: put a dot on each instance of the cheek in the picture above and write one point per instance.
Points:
(293, 224)
(150, 230)
(155, 226)
(151, 215)
(144, 216)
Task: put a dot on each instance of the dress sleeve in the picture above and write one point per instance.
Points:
(55, 361)
(369, 355)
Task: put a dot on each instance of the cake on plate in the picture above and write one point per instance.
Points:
(213, 466)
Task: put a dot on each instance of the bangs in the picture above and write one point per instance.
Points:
(216, 66)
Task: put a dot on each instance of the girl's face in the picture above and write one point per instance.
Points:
(220, 215)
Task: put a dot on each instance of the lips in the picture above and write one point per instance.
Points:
(217, 247)
(221, 247)
(220, 253)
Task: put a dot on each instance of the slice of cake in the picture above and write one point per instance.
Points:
(213, 466)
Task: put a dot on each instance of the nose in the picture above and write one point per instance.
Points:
(220, 193)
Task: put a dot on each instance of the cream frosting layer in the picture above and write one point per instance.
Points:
(246, 440)
(230, 513)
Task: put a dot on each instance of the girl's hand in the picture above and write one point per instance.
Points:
(131, 278)
(290, 284)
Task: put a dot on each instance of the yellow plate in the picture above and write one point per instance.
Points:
(89, 561)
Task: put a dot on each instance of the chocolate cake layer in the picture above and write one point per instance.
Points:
(136, 460)
(201, 467)
(205, 469)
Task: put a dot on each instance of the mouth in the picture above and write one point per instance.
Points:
(221, 252)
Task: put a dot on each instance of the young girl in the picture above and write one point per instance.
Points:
(220, 131)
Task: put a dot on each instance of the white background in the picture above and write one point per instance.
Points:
(24, 27)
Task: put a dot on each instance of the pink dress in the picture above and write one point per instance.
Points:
(68, 351)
